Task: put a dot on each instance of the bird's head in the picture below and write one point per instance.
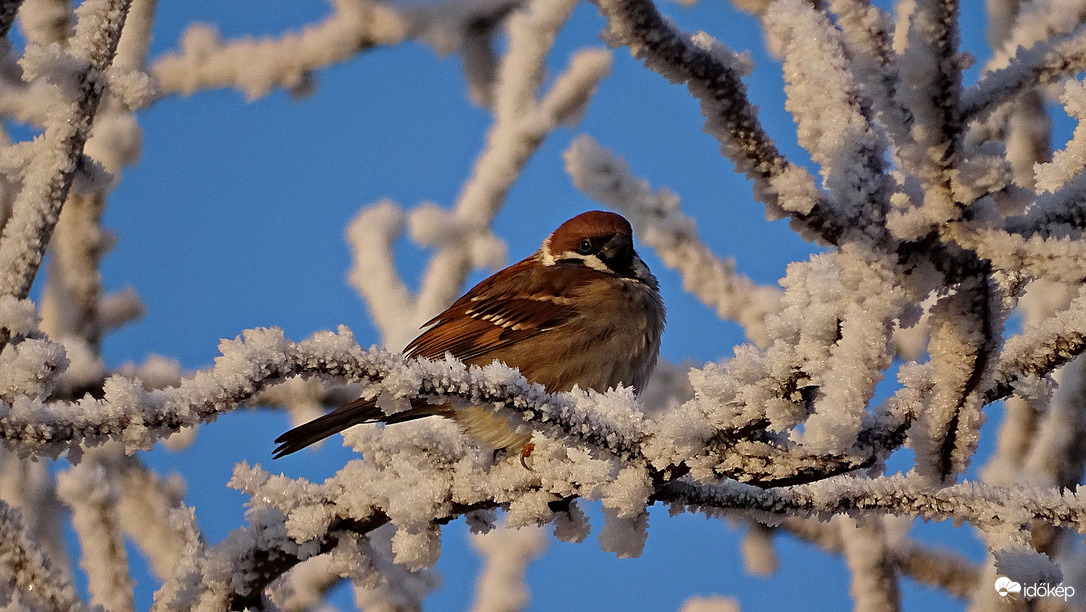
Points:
(599, 240)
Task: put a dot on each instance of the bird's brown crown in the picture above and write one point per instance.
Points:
(591, 224)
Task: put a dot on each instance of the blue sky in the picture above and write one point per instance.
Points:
(234, 218)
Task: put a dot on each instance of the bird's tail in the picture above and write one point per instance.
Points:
(355, 413)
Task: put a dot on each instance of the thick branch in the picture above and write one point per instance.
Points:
(139, 418)
(897, 495)
(269, 551)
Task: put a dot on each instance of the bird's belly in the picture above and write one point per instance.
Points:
(490, 430)
(596, 354)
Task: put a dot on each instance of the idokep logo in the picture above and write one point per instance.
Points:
(1009, 588)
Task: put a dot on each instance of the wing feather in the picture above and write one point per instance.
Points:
(506, 308)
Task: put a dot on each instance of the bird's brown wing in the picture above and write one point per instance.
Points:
(504, 309)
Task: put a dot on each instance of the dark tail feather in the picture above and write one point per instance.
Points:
(358, 411)
(355, 413)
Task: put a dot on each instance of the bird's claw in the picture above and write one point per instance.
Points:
(525, 453)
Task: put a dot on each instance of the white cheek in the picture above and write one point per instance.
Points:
(590, 260)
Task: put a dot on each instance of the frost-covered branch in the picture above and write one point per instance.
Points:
(963, 346)
(507, 553)
(267, 548)
(714, 76)
(137, 417)
(847, 146)
(372, 235)
(1042, 64)
(153, 514)
(1038, 256)
(930, 73)
(293, 520)
(890, 495)
(866, 31)
(46, 21)
(72, 297)
(31, 582)
(1030, 356)
(258, 66)
(48, 178)
(872, 563)
(92, 495)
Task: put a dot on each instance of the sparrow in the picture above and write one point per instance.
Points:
(583, 310)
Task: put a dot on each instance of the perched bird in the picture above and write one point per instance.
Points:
(582, 310)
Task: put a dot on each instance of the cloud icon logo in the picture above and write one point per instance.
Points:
(1005, 586)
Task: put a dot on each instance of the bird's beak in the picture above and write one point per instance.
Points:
(618, 249)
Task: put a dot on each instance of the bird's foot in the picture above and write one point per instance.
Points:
(525, 453)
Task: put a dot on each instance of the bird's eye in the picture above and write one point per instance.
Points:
(585, 247)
